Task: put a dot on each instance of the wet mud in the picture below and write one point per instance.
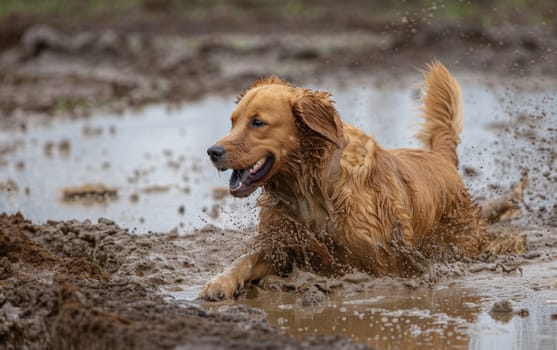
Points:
(67, 285)
(135, 291)
(59, 67)
(56, 274)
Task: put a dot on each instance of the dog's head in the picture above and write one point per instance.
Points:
(266, 133)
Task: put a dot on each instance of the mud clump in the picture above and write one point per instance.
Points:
(313, 296)
(502, 307)
(89, 192)
(6, 269)
(503, 311)
(80, 269)
(506, 206)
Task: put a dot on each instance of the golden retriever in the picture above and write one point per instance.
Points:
(333, 199)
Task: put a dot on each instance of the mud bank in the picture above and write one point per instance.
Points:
(74, 285)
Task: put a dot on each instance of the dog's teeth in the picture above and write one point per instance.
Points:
(257, 165)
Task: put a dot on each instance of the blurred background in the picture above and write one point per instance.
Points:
(152, 50)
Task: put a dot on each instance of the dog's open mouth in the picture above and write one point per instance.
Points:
(244, 181)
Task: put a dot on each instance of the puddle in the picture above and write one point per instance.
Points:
(443, 317)
(156, 160)
(383, 318)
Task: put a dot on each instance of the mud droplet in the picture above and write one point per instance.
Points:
(64, 147)
(219, 193)
(181, 210)
(502, 311)
(134, 198)
(97, 192)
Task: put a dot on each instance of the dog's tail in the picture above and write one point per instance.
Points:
(442, 111)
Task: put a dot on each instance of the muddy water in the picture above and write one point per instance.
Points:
(443, 317)
(454, 315)
(155, 159)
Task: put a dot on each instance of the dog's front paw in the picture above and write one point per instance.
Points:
(223, 286)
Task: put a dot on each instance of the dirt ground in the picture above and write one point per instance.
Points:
(58, 66)
(68, 285)
(95, 285)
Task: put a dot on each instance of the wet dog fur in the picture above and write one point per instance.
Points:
(335, 200)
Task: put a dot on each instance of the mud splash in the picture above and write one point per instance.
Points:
(44, 295)
(449, 307)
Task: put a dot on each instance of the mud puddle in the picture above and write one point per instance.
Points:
(147, 170)
(152, 161)
(459, 315)
(470, 310)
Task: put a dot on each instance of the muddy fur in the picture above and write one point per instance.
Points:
(335, 200)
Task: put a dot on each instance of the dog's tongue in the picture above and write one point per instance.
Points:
(239, 179)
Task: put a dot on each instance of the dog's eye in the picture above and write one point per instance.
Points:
(256, 123)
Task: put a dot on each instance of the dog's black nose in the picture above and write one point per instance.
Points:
(215, 152)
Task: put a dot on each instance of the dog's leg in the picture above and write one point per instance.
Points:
(505, 206)
(246, 268)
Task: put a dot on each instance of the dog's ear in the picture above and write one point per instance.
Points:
(315, 109)
(267, 80)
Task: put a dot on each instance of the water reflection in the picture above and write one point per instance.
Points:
(537, 330)
(385, 319)
(443, 317)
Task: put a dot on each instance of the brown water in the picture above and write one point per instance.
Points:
(447, 316)
(155, 158)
